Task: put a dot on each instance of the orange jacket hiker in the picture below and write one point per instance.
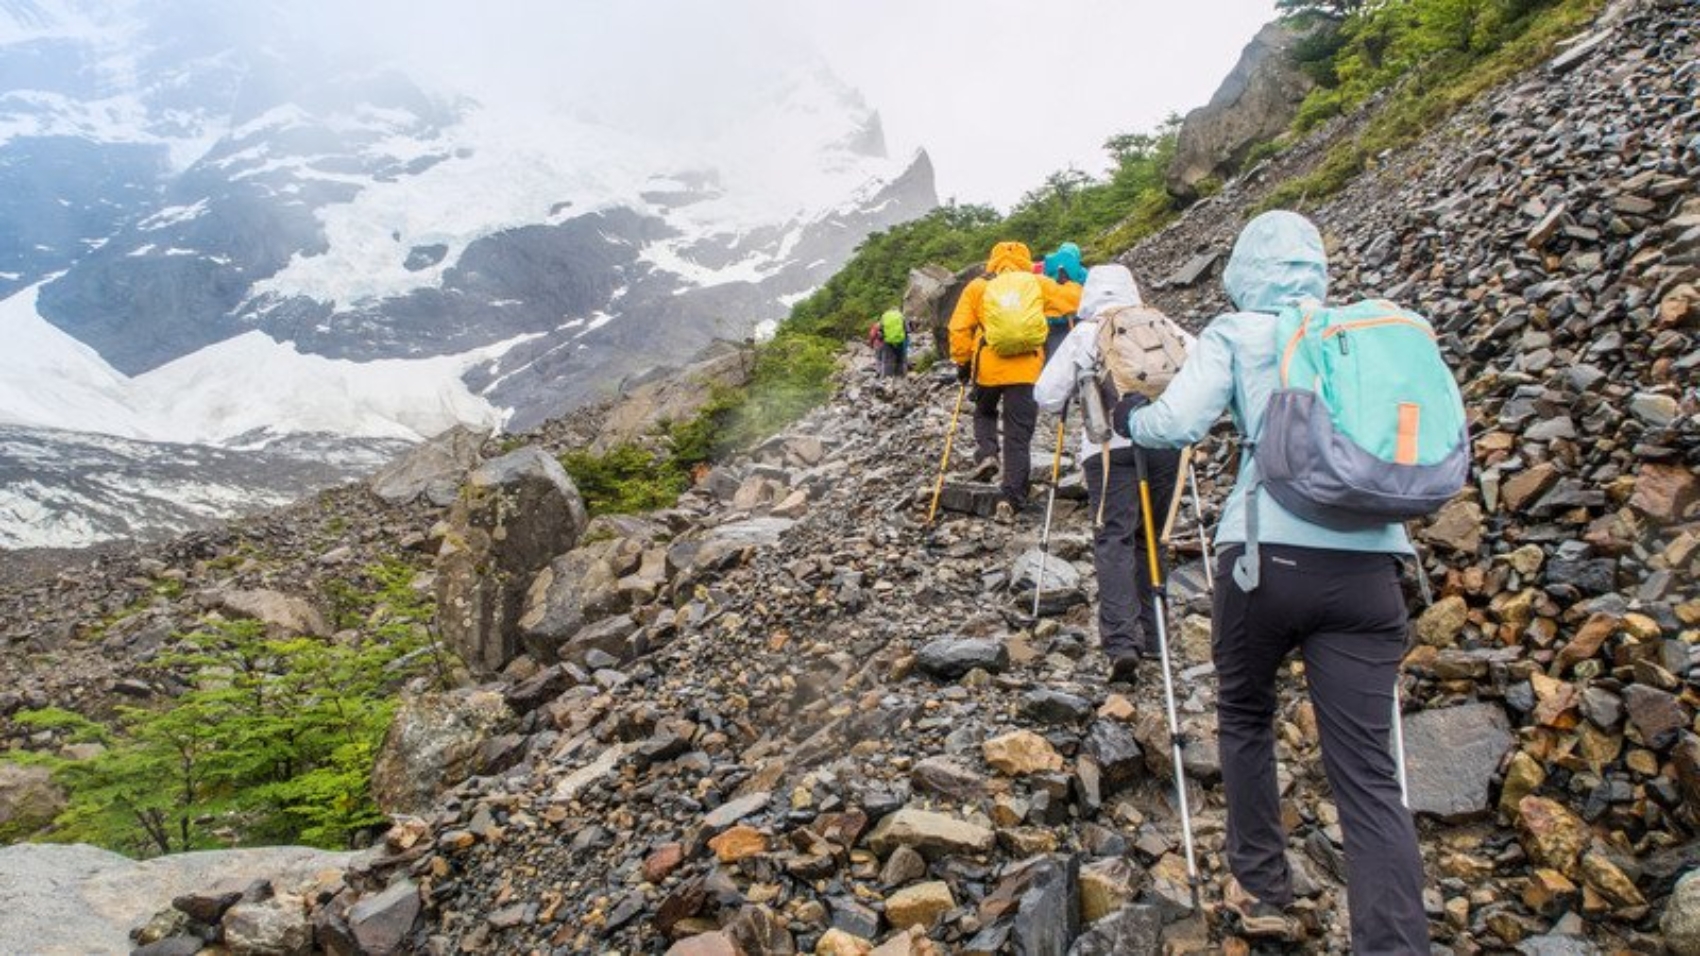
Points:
(967, 321)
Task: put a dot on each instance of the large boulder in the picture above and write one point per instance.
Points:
(280, 613)
(433, 743)
(930, 298)
(29, 799)
(514, 516)
(434, 469)
(79, 899)
(576, 590)
(1256, 103)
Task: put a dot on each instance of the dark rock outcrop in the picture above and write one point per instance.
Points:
(1254, 104)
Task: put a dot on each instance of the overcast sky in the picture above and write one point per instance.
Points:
(1000, 93)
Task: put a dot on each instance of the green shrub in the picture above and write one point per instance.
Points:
(273, 742)
(1437, 55)
(626, 479)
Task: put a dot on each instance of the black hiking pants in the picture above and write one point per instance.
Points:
(1127, 615)
(1020, 417)
(1054, 339)
(894, 360)
(1345, 614)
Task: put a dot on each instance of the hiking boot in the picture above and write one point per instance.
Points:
(984, 470)
(1124, 668)
(1257, 919)
(1004, 514)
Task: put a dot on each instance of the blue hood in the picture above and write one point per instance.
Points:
(1278, 261)
(1065, 264)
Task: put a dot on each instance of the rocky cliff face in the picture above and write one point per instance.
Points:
(785, 716)
(1254, 104)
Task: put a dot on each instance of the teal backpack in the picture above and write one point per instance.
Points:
(1366, 428)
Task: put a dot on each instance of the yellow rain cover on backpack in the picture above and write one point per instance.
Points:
(1013, 312)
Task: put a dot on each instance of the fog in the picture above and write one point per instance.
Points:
(999, 93)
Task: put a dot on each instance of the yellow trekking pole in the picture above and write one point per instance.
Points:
(1148, 517)
(950, 437)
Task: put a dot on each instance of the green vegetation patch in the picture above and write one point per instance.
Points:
(1435, 55)
(272, 742)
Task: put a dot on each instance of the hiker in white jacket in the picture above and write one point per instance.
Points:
(1127, 617)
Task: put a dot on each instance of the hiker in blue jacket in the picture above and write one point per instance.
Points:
(1064, 268)
(1332, 595)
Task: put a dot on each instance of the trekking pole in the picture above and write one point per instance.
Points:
(1399, 747)
(1203, 533)
(1148, 517)
(950, 437)
(1050, 503)
(1175, 497)
(1427, 593)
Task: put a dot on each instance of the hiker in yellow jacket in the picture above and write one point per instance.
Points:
(1001, 381)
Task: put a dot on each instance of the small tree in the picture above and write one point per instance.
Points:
(273, 741)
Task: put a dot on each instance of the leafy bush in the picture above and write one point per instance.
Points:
(625, 479)
(273, 742)
(1437, 55)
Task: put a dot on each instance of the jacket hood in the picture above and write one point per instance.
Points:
(1108, 287)
(1009, 257)
(1278, 261)
(1065, 264)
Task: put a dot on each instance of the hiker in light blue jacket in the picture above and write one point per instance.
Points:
(1332, 595)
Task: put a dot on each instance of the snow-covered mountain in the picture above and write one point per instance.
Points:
(216, 229)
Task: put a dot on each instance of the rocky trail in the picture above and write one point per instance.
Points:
(785, 716)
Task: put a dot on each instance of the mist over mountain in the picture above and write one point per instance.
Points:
(226, 224)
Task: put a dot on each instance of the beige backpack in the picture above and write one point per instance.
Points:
(1139, 350)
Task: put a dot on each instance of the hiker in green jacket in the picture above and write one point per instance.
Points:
(889, 336)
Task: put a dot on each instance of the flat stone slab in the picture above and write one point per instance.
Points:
(1451, 755)
(78, 899)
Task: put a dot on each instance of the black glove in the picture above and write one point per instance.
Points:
(1125, 408)
(964, 373)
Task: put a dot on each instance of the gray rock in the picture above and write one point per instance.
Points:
(434, 469)
(1561, 944)
(1451, 756)
(948, 658)
(514, 516)
(78, 899)
(29, 799)
(1054, 707)
(576, 589)
(1049, 917)
(381, 922)
(1113, 746)
(433, 743)
(1658, 715)
(970, 497)
(1681, 921)
(946, 777)
(276, 926)
(1135, 928)
(1654, 409)
(281, 612)
(737, 809)
(1061, 582)
(1195, 269)
(1255, 103)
